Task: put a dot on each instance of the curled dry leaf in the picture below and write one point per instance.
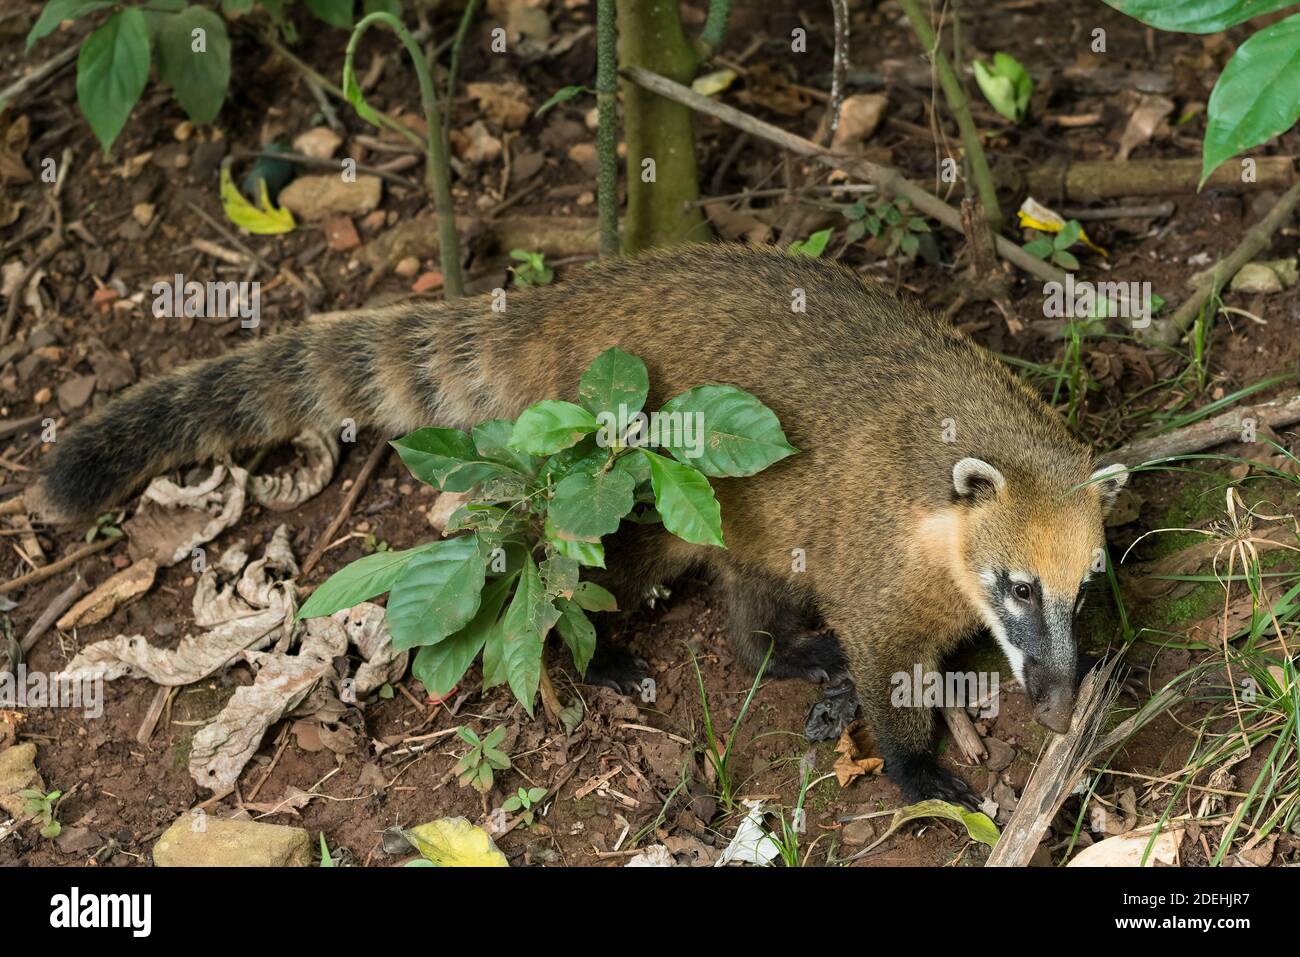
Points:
(173, 519)
(318, 453)
(367, 629)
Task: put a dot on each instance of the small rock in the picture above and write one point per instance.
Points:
(112, 372)
(476, 144)
(592, 118)
(373, 221)
(184, 130)
(18, 773)
(1256, 277)
(1001, 754)
(42, 396)
(143, 213)
(427, 282)
(857, 833)
(210, 841)
(341, 234)
(75, 392)
(504, 103)
(408, 267)
(319, 143)
(103, 298)
(859, 117)
(316, 198)
(441, 510)
(584, 154)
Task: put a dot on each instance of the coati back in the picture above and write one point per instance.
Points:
(933, 494)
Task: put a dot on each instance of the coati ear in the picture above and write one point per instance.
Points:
(971, 476)
(1108, 481)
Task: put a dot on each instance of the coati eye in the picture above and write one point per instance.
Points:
(1022, 591)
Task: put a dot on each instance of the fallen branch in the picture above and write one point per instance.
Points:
(38, 76)
(363, 478)
(62, 602)
(964, 734)
(1109, 179)
(889, 180)
(1226, 427)
(1257, 239)
(63, 564)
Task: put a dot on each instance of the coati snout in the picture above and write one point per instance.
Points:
(1031, 559)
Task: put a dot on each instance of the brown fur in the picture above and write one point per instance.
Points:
(861, 382)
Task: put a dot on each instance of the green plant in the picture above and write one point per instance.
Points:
(40, 807)
(1055, 247)
(484, 756)
(106, 526)
(718, 753)
(1006, 85)
(524, 799)
(543, 491)
(325, 859)
(813, 246)
(890, 222)
(532, 270)
(1256, 96)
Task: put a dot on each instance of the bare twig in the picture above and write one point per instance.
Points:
(1226, 427)
(839, 68)
(63, 564)
(38, 76)
(62, 602)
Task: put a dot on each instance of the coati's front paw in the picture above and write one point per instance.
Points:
(613, 666)
(835, 711)
(922, 778)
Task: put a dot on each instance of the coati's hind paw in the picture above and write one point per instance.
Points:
(835, 711)
(921, 778)
(613, 666)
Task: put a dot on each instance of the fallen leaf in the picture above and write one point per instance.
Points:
(1126, 850)
(455, 842)
(113, 593)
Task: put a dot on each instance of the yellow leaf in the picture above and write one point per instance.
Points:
(263, 219)
(455, 842)
(1035, 215)
(713, 83)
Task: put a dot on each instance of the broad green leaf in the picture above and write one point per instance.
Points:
(591, 554)
(578, 632)
(263, 220)
(549, 426)
(112, 69)
(365, 578)
(440, 667)
(446, 459)
(978, 825)
(1196, 16)
(1257, 95)
(559, 576)
(684, 499)
(733, 433)
(437, 593)
(56, 11)
(337, 13)
(591, 597)
(194, 59)
(615, 382)
(524, 627)
(492, 441)
(999, 90)
(586, 456)
(813, 246)
(589, 506)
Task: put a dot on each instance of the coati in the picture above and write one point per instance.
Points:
(934, 494)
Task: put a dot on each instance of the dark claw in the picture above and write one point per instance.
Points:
(615, 667)
(922, 778)
(832, 713)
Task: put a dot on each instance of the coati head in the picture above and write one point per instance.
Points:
(1029, 544)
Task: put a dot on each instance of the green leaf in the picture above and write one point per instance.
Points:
(1196, 16)
(1006, 85)
(337, 13)
(56, 11)
(112, 69)
(615, 382)
(198, 77)
(526, 622)
(562, 95)
(1039, 248)
(589, 506)
(685, 501)
(446, 459)
(591, 597)
(234, 7)
(1256, 97)
(365, 578)
(740, 435)
(1065, 260)
(578, 632)
(978, 825)
(492, 441)
(813, 246)
(438, 593)
(591, 554)
(1068, 236)
(440, 667)
(549, 426)
(559, 576)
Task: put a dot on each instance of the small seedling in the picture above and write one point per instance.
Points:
(40, 807)
(892, 223)
(813, 246)
(524, 799)
(1006, 85)
(533, 270)
(1055, 248)
(715, 752)
(105, 527)
(325, 859)
(482, 757)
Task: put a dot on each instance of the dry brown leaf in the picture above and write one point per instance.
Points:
(113, 593)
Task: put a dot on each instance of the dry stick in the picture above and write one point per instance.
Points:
(839, 68)
(1152, 211)
(886, 178)
(38, 76)
(63, 564)
(955, 94)
(1169, 331)
(363, 477)
(964, 733)
(62, 602)
(1057, 771)
(1226, 427)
